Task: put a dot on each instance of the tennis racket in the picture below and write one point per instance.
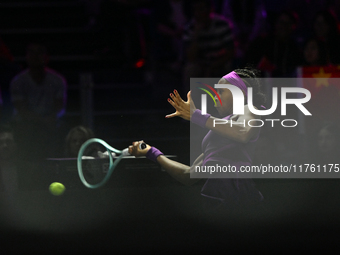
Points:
(95, 166)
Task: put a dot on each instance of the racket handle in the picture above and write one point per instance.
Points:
(105, 154)
(125, 152)
(142, 146)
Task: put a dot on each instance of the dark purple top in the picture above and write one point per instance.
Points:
(224, 151)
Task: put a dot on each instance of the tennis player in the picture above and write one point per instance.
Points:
(223, 144)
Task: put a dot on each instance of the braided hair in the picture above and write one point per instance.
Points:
(252, 74)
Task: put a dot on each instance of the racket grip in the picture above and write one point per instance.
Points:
(125, 152)
(142, 146)
(105, 154)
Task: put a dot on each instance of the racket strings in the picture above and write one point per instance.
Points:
(94, 172)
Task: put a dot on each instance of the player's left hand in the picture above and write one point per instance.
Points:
(134, 149)
(183, 109)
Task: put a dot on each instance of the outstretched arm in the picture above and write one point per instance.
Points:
(239, 131)
(177, 170)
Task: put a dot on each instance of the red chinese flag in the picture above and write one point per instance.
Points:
(324, 85)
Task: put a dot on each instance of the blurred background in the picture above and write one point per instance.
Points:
(121, 59)
(116, 63)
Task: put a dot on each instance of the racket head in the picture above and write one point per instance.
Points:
(96, 163)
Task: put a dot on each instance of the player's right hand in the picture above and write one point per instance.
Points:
(134, 149)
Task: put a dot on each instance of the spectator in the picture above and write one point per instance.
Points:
(1, 103)
(170, 17)
(315, 53)
(278, 53)
(8, 159)
(118, 35)
(327, 147)
(335, 7)
(74, 140)
(306, 11)
(325, 28)
(38, 92)
(249, 20)
(325, 153)
(15, 172)
(273, 9)
(8, 69)
(39, 98)
(209, 44)
(93, 10)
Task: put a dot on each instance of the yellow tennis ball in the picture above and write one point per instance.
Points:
(57, 188)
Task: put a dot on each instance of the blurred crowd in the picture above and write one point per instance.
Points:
(191, 38)
(206, 38)
(219, 36)
(212, 37)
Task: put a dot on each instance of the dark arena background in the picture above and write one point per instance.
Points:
(121, 60)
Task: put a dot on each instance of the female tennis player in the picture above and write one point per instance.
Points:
(223, 144)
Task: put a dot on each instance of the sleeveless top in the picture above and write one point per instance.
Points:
(225, 151)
